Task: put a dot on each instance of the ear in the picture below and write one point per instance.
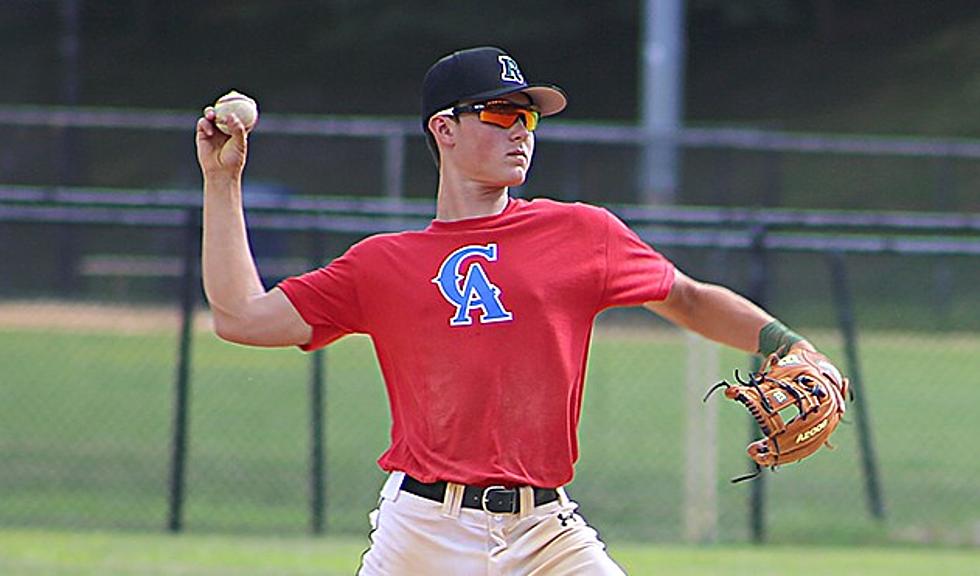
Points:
(443, 129)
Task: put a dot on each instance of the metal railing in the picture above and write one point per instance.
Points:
(393, 134)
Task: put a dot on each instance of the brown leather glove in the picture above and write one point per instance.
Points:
(797, 401)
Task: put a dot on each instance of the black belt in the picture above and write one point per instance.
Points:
(494, 499)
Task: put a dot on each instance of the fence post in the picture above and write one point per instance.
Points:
(845, 315)
(318, 503)
(700, 443)
(758, 292)
(178, 446)
(69, 47)
(317, 472)
(394, 166)
(772, 189)
(942, 276)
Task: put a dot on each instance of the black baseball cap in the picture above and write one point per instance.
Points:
(482, 73)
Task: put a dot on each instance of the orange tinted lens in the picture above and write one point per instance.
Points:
(505, 117)
(502, 118)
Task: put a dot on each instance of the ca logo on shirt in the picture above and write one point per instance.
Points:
(471, 290)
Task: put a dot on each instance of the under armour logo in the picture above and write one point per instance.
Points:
(471, 290)
(510, 72)
(566, 519)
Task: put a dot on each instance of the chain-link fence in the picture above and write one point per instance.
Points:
(120, 409)
(117, 414)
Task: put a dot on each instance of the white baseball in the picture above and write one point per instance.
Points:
(238, 104)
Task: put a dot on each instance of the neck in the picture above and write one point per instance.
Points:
(462, 202)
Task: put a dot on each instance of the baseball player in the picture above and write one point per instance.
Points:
(481, 323)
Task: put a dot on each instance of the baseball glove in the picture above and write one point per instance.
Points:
(797, 401)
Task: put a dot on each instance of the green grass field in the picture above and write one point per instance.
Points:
(25, 553)
(86, 414)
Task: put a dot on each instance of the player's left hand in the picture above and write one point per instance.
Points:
(802, 380)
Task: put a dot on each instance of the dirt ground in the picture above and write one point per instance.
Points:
(88, 317)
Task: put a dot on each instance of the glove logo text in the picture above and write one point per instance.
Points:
(789, 360)
(803, 436)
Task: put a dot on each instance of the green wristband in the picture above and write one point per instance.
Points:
(776, 337)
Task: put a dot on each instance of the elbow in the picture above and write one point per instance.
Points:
(228, 329)
(265, 322)
(683, 304)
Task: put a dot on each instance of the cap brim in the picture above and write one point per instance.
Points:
(548, 99)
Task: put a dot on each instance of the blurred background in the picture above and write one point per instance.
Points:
(820, 156)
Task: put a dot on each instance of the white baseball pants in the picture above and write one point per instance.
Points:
(415, 536)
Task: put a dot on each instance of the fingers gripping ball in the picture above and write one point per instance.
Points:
(238, 104)
(796, 400)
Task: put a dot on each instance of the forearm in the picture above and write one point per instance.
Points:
(719, 314)
(227, 266)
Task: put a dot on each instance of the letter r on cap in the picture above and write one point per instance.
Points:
(509, 70)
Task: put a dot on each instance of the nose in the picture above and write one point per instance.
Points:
(518, 131)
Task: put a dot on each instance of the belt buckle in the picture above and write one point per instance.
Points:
(485, 497)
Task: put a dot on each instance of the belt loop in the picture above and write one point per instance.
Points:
(527, 501)
(392, 486)
(563, 498)
(453, 500)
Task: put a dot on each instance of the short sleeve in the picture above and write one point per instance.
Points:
(327, 299)
(635, 272)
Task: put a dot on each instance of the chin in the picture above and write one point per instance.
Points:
(517, 178)
(514, 176)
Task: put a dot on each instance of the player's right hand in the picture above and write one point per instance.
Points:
(219, 154)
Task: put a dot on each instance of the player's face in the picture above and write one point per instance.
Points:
(495, 155)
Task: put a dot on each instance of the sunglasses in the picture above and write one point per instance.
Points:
(503, 113)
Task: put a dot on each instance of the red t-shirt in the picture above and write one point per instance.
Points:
(482, 328)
